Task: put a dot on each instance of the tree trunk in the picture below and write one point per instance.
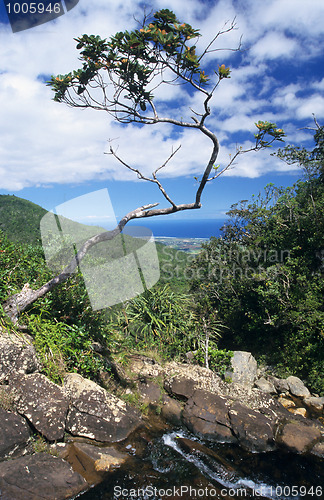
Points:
(206, 346)
(19, 302)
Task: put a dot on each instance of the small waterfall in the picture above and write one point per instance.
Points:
(222, 474)
(175, 464)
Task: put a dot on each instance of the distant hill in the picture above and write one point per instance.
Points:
(20, 219)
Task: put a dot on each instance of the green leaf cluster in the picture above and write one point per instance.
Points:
(219, 359)
(132, 59)
(64, 348)
(265, 275)
(223, 72)
(159, 319)
(265, 129)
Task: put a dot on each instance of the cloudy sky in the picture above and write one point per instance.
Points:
(50, 153)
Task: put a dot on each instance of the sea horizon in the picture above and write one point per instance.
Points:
(194, 228)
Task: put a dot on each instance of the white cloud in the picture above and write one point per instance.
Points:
(254, 164)
(299, 19)
(44, 143)
(274, 45)
(319, 85)
(296, 16)
(292, 102)
(314, 104)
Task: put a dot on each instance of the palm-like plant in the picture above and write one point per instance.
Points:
(160, 317)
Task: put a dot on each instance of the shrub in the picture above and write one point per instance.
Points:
(64, 348)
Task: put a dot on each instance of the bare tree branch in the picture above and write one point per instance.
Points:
(118, 76)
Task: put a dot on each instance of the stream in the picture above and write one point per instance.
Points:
(171, 464)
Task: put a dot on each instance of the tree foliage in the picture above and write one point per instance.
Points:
(265, 276)
(119, 76)
(159, 319)
(132, 61)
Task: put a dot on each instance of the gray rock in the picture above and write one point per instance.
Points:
(265, 386)
(17, 356)
(206, 414)
(280, 384)
(93, 462)
(97, 414)
(180, 387)
(244, 368)
(299, 437)
(191, 377)
(254, 431)
(14, 433)
(297, 387)
(314, 404)
(318, 450)
(171, 410)
(39, 477)
(42, 402)
(150, 392)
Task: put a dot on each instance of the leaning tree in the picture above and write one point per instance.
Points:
(120, 75)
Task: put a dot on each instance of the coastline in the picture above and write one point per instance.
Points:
(189, 245)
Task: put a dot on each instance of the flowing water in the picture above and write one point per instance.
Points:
(171, 464)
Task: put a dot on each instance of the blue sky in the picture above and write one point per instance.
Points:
(50, 153)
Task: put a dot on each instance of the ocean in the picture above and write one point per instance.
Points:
(194, 228)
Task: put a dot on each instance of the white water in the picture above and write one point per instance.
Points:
(227, 479)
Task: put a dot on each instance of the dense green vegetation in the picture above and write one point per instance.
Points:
(258, 288)
(20, 219)
(67, 331)
(265, 276)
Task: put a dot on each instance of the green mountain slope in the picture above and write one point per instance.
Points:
(20, 219)
(20, 222)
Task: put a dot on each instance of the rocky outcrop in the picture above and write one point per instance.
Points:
(39, 477)
(181, 387)
(42, 403)
(93, 462)
(97, 414)
(14, 433)
(252, 412)
(187, 378)
(31, 402)
(171, 410)
(206, 414)
(248, 411)
(244, 369)
(18, 356)
(314, 404)
(151, 393)
(297, 387)
(265, 386)
(254, 431)
(300, 437)
(281, 385)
